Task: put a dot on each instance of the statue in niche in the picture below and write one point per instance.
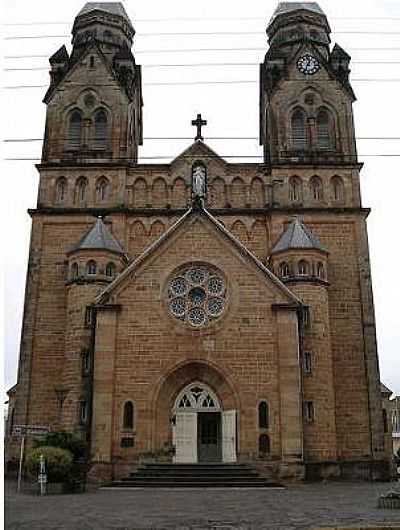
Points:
(199, 184)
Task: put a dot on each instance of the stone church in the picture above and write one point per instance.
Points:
(201, 310)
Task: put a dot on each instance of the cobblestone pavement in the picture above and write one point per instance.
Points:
(296, 507)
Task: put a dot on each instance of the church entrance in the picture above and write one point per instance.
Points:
(202, 431)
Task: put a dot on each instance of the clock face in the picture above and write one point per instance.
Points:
(308, 65)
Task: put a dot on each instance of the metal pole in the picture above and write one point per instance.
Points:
(21, 458)
(42, 476)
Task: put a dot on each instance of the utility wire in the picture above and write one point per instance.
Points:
(186, 83)
(191, 65)
(20, 140)
(191, 50)
(194, 33)
(193, 19)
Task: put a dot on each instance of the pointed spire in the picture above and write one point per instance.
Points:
(297, 236)
(98, 237)
(60, 57)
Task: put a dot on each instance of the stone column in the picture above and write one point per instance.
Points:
(290, 391)
(103, 387)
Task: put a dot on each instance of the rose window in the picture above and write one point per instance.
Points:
(197, 295)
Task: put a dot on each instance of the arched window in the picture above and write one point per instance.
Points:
(80, 190)
(324, 130)
(75, 129)
(316, 189)
(337, 189)
(74, 271)
(110, 269)
(385, 421)
(320, 270)
(263, 445)
(91, 267)
(11, 422)
(100, 129)
(298, 129)
(263, 415)
(295, 189)
(61, 189)
(128, 419)
(102, 189)
(284, 271)
(303, 268)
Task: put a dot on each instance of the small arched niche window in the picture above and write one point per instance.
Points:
(74, 271)
(385, 421)
(75, 129)
(264, 445)
(100, 129)
(91, 267)
(284, 270)
(316, 189)
(298, 130)
(320, 269)
(295, 189)
(128, 415)
(61, 189)
(263, 415)
(80, 190)
(325, 130)
(303, 268)
(337, 189)
(110, 269)
(102, 189)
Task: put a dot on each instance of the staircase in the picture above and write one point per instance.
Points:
(204, 475)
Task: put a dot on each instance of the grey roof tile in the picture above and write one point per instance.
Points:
(297, 235)
(99, 238)
(115, 8)
(287, 7)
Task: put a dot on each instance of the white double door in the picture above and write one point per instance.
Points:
(185, 437)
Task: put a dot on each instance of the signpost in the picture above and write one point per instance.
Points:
(35, 431)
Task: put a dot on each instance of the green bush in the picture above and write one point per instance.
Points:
(58, 463)
(64, 440)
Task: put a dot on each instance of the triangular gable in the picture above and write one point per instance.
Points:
(76, 64)
(241, 249)
(198, 149)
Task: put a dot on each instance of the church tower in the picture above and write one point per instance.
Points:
(94, 101)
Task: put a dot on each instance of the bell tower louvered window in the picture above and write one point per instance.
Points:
(100, 130)
(298, 129)
(324, 130)
(75, 130)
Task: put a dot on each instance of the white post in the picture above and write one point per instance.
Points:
(42, 476)
(21, 458)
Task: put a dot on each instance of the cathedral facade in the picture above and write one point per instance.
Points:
(202, 310)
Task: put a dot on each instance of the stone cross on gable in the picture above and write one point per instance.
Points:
(198, 122)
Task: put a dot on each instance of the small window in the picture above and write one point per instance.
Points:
(264, 445)
(102, 189)
(91, 61)
(74, 271)
(306, 317)
(309, 412)
(127, 441)
(61, 189)
(88, 316)
(263, 415)
(82, 412)
(80, 190)
(100, 129)
(337, 189)
(316, 189)
(110, 270)
(91, 267)
(324, 130)
(284, 270)
(320, 270)
(303, 268)
(299, 131)
(128, 415)
(385, 421)
(75, 130)
(86, 362)
(307, 362)
(295, 189)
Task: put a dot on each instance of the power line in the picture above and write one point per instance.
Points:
(26, 140)
(187, 83)
(191, 65)
(192, 50)
(192, 19)
(195, 33)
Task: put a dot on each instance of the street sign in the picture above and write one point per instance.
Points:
(30, 430)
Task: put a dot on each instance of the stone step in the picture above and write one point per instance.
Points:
(194, 484)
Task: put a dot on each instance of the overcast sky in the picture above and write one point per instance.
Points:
(360, 27)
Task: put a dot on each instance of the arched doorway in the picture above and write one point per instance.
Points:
(195, 405)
